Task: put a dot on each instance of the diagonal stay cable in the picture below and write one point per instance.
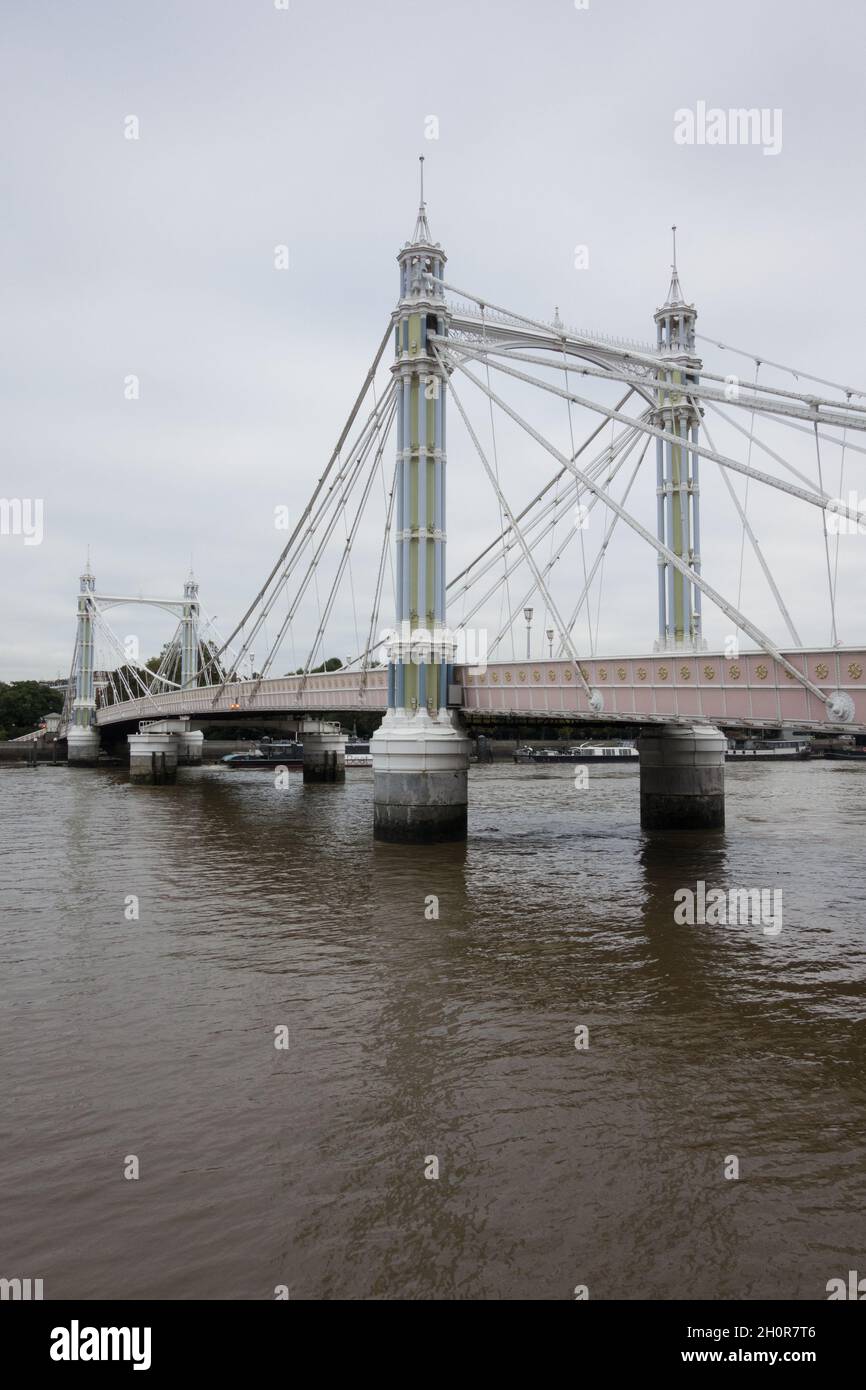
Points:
(715, 597)
(592, 697)
(368, 379)
(815, 499)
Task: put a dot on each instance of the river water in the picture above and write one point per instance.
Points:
(413, 1038)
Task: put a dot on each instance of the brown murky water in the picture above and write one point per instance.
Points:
(411, 1037)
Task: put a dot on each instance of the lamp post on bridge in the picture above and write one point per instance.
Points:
(550, 636)
(527, 613)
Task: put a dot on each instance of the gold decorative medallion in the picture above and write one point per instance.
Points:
(551, 675)
(568, 674)
(822, 670)
(686, 673)
(621, 672)
(641, 673)
(508, 677)
(602, 673)
(788, 676)
(710, 673)
(735, 673)
(761, 672)
(855, 670)
(521, 675)
(663, 673)
(536, 675)
(494, 676)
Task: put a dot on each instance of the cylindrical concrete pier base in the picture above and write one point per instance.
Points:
(189, 747)
(420, 769)
(324, 757)
(153, 758)
(682, 777)
(82, 746)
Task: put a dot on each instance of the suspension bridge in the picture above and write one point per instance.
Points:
(423, 667)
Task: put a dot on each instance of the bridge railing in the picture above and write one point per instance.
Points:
(749, 689)
(462, 310)
(326, 690)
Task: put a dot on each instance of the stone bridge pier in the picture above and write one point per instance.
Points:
(324, 751)
(157, 749)
(82, 744)
(682, 777)
(420, 767)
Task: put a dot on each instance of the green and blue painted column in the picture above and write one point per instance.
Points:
(677, 473)
(420, 755)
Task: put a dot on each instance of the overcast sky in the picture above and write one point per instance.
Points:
(261, 127)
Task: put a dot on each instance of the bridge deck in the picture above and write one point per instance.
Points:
(663, 687)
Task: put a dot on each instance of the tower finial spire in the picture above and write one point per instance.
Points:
(675, 294)
(422, 226)
(87, 580)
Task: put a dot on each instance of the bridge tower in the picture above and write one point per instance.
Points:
(420, 756)
(682, 767)
(189, 632)
(82, 735)
(677, 471)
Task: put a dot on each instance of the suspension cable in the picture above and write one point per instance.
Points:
(745, 511)
(584, 595)
(590, 695)
(816, 499)
(841, 493)
(506, 596)
(347, 550)
(565, 499)
(672, 558)
(833, 634)
(793, 371)
(795, 637)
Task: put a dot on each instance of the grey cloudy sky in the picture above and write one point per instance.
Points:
(259, 127)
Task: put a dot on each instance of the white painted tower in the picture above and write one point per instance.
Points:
(677, 470)
(82, 737)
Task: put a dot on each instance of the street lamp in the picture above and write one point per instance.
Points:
(550, 636)
(527, 613)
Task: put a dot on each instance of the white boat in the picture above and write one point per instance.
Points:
(767, 749)
(608, 752)
(358, 754)
(579, 753)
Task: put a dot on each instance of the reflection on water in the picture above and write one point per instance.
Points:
(413, 1036)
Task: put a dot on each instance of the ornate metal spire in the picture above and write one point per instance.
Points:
(675, 294)
(422, 226)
